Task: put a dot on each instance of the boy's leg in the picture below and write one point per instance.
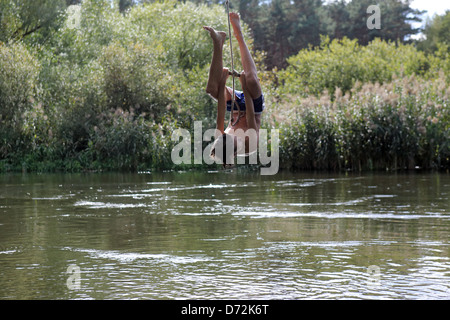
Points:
(216, 69)
(251, 74)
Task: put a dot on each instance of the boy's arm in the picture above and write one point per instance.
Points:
(221, 104)
(249, 106)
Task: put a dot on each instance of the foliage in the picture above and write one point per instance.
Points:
(341, 63)
(95, 94)
(436, 32)
(23, 18)
(103, 84)
(19, 71)
(400, 124)
(283, 27)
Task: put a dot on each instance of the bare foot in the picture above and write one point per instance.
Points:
(236, 23)
(217, 36)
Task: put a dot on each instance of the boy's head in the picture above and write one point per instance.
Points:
(224, 149)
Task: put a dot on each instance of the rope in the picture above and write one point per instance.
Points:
(233, 73)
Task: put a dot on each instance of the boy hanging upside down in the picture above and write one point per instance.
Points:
(250, 101)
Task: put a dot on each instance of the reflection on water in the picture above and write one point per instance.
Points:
(225, 236)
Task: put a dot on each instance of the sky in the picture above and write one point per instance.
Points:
(432, 6)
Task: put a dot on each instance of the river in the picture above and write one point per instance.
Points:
(225, 235)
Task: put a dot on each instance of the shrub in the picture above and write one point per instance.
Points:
(341, 63)
(397, 125)
(19, 71)
(83, 100)
(121, 140)
(136, 78)
(107, 93)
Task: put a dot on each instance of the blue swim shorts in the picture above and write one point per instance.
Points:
(240, 100)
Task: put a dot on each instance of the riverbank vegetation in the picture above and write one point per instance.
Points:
(102, 85)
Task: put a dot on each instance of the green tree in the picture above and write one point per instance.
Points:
(20, 19)
(340, 63)
(436, 31)
(19, 71)
(349, 19)
(305, 18)
(334, 19)
(125, 5)
(396, 18)
(282, 27)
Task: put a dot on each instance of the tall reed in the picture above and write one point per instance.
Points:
(397, 125)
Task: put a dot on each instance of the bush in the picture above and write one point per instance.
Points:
(397, 125)
(19, 71)
(107, 80)
(121, 140)
(136, 78)
(341, 63)
(76, 114)
(107, 89)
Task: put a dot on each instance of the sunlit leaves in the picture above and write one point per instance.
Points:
(19, 71)
(340, 63)
(397, 125)
(108, 80)
(20, 19)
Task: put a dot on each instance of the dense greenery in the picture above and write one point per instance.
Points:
(436, 33)
(403, 123)
(106, 90)
(101, 85)
(283, 27)
(340, 63)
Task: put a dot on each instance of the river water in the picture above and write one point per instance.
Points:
(225, 235)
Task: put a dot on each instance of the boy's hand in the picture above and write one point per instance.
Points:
(243, 81)
(225, 75)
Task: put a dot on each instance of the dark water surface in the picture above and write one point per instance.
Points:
(225, 236)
